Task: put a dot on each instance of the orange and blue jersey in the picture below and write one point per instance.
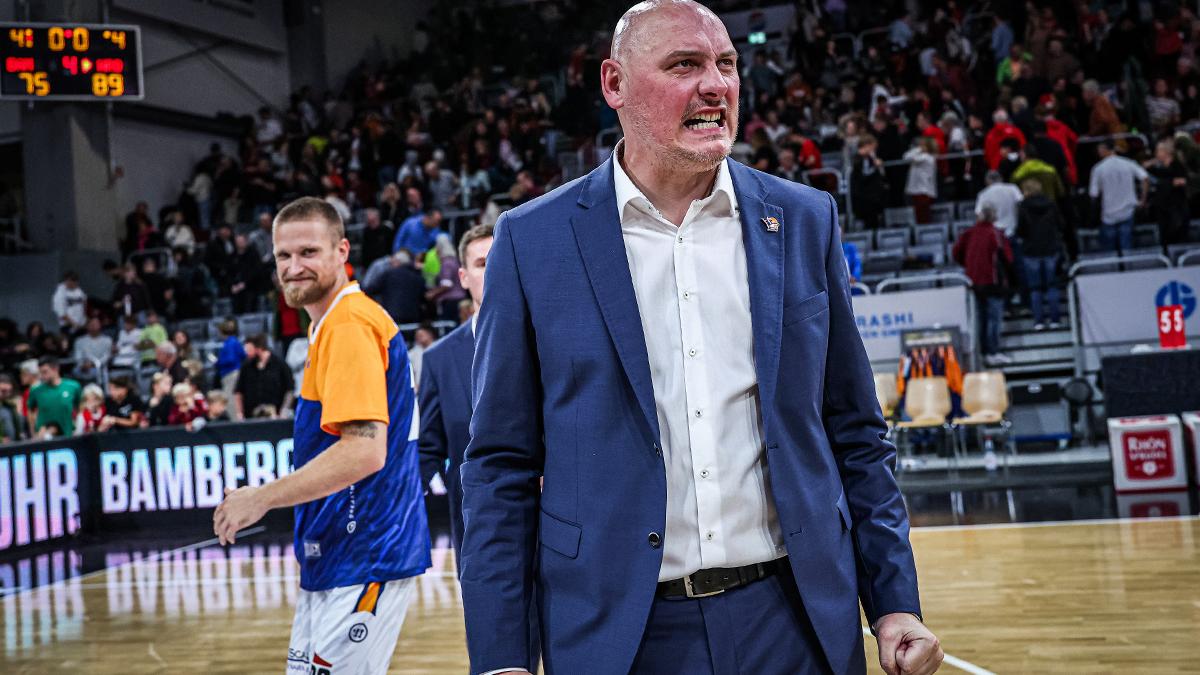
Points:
(376, 529)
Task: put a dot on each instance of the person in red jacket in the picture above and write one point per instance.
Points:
(986, 255)
(1002, 130)
(1060, 133)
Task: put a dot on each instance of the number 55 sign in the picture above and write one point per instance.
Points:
(1170, 327)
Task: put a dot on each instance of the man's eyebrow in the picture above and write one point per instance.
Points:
(695, 53)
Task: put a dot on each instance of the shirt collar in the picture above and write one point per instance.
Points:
(351, 287)
(627, 192)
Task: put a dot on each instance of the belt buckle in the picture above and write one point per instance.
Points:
(690, 591)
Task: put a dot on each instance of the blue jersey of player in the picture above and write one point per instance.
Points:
(376, 529)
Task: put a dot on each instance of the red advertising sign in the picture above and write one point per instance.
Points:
(1148, 454)
(1170, 327)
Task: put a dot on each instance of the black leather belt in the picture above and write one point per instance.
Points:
(718, 580)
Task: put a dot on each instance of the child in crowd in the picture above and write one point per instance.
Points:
(218, 406)
(91, 410)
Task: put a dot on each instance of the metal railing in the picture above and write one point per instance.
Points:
(1120, 261)
(896, 284)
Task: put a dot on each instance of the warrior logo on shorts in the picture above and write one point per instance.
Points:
(358, 632)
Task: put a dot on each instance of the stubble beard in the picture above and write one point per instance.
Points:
(298, 297)
(678, 156)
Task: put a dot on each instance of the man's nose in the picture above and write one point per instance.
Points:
(713, 84)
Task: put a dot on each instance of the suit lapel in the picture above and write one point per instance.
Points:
(597, 229)
(464, 351)
(763, 239)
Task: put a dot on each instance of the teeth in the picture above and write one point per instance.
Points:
(710, 117)
(705, 125)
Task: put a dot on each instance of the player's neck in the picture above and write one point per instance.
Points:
(320, 307)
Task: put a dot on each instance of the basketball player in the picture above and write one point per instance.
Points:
(361, 531)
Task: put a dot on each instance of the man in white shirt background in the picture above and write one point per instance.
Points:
(1118, 187)
(1004, 198)
(70, 304)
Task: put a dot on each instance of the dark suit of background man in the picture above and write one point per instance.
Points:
(670, 341)
(445, 392)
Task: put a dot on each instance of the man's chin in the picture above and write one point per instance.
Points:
(297, 298)
(705, 155)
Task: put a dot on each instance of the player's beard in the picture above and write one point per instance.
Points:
(297, 297)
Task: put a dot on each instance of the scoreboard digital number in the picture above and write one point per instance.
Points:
(74, 62)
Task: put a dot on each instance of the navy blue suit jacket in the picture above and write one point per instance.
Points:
(562, 388)
(444, 399)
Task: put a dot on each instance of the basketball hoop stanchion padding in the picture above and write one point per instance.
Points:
(1191, 433)
(1147, 453)
(1171, 333)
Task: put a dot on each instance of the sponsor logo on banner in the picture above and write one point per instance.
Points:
(1176, 293)
(186, 476)
(39, 496)
(1148, 454)
(884, 324)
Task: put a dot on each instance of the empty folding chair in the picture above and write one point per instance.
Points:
(942, 213)
(926, 404)
(862, 240)
(901, 216)
(1146, 236)
(886, 393)
(891, 240)
(1088, 240)
(931, 234)
(985, 400)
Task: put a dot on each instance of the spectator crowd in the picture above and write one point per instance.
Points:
(1053, 117)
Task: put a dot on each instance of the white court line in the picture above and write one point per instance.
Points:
(1051, 523)
(148, 559)
(165, 583)
(966, 666)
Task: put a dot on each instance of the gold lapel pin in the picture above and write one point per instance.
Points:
(771, 223)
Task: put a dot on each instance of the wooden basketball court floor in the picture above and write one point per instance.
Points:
(1113, 596)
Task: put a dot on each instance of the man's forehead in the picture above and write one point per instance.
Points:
(300, 231)
(700, 30)
(479, 247)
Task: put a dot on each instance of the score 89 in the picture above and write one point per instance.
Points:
(108, 84)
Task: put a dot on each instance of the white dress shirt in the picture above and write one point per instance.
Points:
(693, 297)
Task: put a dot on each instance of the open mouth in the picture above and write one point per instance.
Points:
(706, 121)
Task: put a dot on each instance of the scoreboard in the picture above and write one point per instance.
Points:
(61, 61)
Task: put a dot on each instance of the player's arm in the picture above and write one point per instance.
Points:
(360, 452)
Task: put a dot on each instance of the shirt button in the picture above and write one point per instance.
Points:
(687, 294)
(679, 239)
(699, 414)
(704, 473)
(654, 539)
(709, 535)
(691, 352)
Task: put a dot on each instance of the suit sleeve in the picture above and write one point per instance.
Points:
(432, 445)
(500, 469)
(887, 575)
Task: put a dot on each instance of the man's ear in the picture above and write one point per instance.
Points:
(612, 83)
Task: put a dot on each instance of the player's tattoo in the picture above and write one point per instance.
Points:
(360, 428)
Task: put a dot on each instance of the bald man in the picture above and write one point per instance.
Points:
(669, 341)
